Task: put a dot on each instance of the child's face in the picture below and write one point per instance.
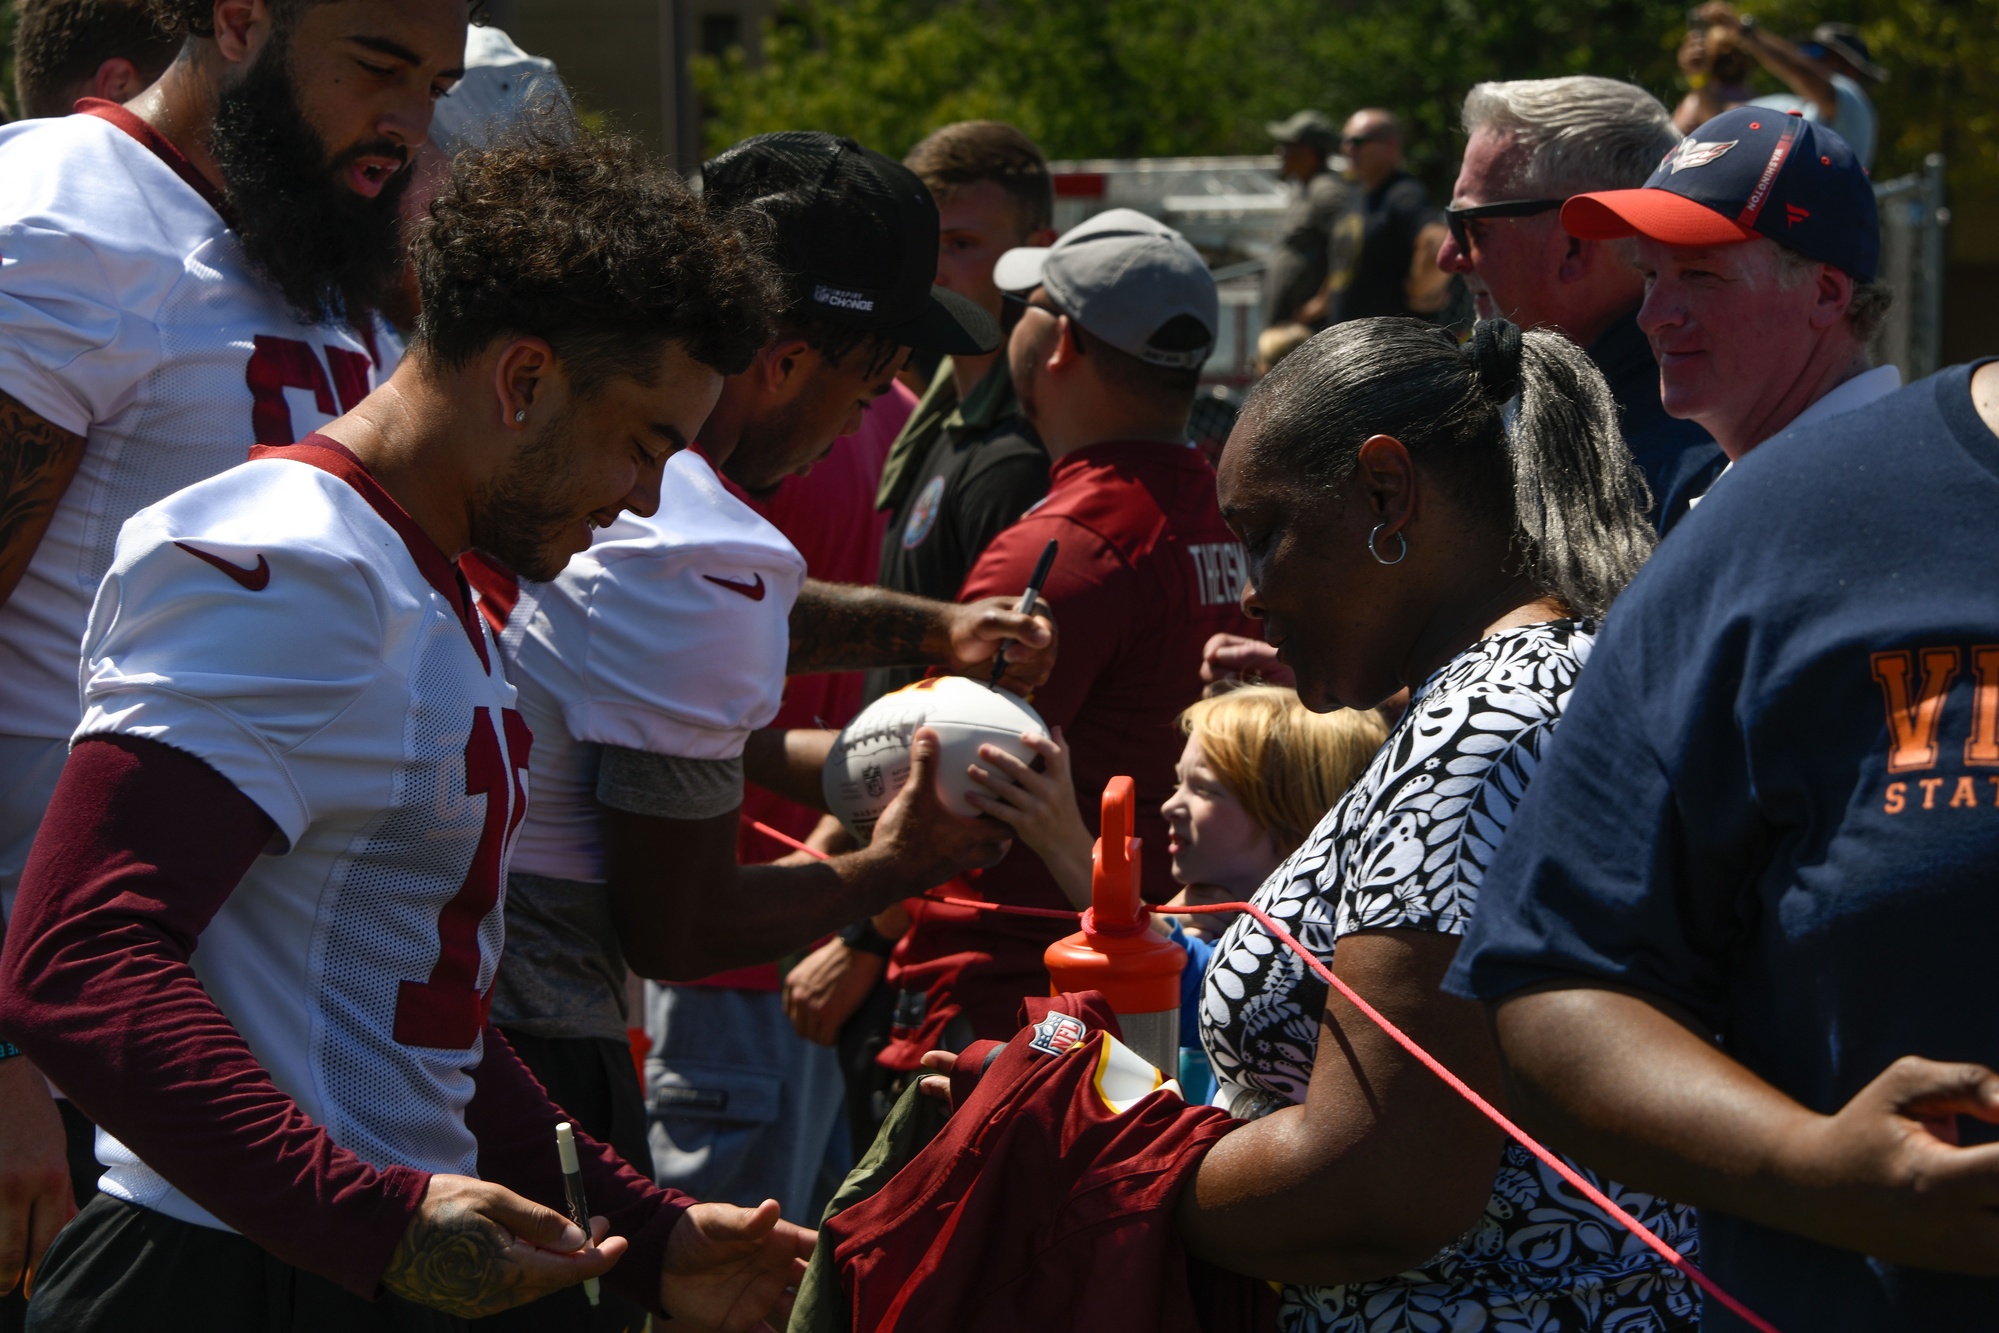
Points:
(1211, 838)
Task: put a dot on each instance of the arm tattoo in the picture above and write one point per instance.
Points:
(37, 461)
(454, 1260)
(844, 627)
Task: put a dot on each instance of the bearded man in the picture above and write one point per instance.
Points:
(187, 275)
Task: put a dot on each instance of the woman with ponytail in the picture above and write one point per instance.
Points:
(1453, 521)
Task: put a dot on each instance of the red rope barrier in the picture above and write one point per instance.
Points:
(1493, 1113)
(1059, 913)
(1423, 1057)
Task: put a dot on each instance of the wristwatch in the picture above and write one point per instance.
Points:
(8, 1050)
(863, 936)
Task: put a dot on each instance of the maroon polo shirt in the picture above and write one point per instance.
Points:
(1147, 572)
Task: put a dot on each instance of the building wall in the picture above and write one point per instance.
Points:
(625, 59)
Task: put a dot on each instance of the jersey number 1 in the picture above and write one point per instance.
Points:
(448, 1011)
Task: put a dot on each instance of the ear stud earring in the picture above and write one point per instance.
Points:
(520, 416)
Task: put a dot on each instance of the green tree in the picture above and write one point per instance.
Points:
(1120, 78)
(1127, 78)
(7, 21)
(1941, 56)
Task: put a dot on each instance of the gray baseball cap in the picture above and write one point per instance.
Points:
(1129, 279)
(1309, 127)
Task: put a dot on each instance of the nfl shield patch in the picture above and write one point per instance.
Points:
(1057, 1034)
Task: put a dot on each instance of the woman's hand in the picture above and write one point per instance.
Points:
(1384, 1163)
(1231, 657)
(1041, 807)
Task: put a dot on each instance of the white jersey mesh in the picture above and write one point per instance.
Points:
(669, 635)
(129, 315)
(345, 697)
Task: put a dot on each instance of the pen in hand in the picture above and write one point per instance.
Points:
(572, 1184)
(1026, 605)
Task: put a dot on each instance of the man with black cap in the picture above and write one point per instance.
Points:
(1759, 241)
(1297, 266)
(646, 669)
(1118, 317)
(1738, 936)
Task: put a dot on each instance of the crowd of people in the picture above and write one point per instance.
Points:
(438, 548)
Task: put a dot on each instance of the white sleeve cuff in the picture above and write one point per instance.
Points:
(222, 742)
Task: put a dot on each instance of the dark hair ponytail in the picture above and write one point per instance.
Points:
(1518, 426)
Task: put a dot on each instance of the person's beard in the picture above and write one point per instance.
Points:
(331, 253)
(521, 516)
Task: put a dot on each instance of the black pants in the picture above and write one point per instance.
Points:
(596, 1085)
(118, 1267)
(871, 1089)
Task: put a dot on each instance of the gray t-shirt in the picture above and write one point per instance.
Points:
(1854, 118)
(1297, 265)
(563, 973)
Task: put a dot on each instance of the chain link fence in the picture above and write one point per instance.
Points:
(1913, 218)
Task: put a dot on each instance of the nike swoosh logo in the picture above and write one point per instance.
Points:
(753, 591)
(253, 579)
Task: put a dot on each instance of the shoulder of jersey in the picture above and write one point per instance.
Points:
(85, 178)
(259, 521)
(697, 516)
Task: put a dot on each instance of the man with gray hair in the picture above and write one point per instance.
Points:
(1759, 242)
(1533, 143)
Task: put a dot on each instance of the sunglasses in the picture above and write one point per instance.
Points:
(1356, 140)
(1459, 220)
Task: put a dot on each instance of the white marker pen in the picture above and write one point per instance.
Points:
(572, 1184)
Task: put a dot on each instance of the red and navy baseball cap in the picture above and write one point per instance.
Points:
(1747, 173)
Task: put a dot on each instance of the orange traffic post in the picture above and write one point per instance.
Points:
(1117, 951)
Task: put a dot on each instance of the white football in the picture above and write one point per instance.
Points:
(870, 760)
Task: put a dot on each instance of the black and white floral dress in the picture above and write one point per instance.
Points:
(1406, 849)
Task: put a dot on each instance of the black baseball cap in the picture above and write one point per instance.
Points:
(1844, 40)
(856, 235)
(1747, 173)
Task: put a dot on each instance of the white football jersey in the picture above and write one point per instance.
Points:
(290, 625)
(129, 316)
(668, 635)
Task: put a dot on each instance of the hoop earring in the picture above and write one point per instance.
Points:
(1400, 554)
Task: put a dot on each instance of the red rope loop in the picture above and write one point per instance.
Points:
(1407, 1043)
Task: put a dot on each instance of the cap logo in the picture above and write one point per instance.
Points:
(1761, 194)
(1700, 154)
(842, 299)
(1793, 215)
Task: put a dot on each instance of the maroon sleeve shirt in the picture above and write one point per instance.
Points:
(141, 846)
(1043, 1202)
(1147, 572)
